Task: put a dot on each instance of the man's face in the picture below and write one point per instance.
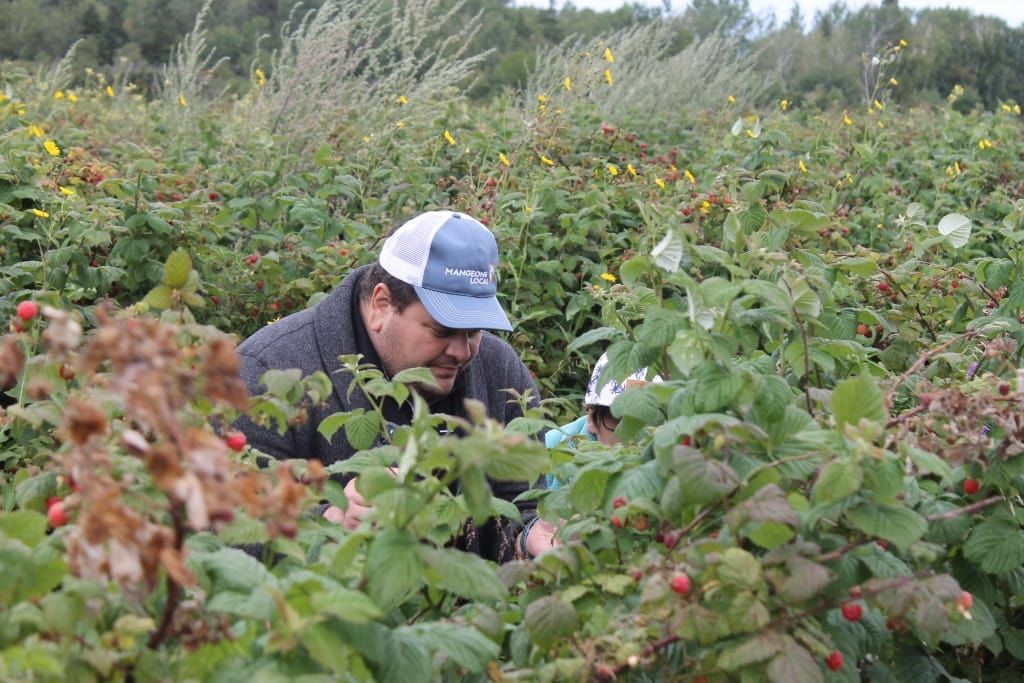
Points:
(413, 339)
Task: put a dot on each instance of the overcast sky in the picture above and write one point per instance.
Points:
(1012, 11)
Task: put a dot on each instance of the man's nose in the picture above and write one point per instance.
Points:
(459, 346)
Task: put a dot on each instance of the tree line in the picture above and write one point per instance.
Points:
(818, 60)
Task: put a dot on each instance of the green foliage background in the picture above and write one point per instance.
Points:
(833, 294)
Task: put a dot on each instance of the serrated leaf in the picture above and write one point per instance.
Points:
(996, 545)
(594, 336)
(27, 526)
(857, 398)
(894, 523)
(234, 570)
(160, 297)
(393, 567)
(549, 619)
(837, 480)
(326, 647)
(704, 480)
(806, 578)
(794, 663)
(465, 645)
(464, 574)
(362, 429)
(415, 376)
(956, 228)
(753, 650)
(739, 567)
(587, 490)
(177, 269)
(350, 605)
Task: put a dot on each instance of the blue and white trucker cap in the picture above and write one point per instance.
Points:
(605, 394)
(451, 260)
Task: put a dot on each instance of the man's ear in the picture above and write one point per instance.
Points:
(379, 308)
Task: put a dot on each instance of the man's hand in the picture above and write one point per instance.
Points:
(357, 507)
(541, 538)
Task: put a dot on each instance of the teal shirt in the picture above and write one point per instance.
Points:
(576, 428)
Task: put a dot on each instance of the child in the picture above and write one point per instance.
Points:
(598, 424)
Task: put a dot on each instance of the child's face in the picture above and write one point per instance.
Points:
(602, 425)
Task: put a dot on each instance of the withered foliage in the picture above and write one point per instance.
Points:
(12, 361)
(966, 427)
(144, 386)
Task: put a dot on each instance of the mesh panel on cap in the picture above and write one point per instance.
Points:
(405, 253)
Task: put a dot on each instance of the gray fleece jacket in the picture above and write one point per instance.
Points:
(313, 339)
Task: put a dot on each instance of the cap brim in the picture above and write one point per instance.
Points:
(464, 312)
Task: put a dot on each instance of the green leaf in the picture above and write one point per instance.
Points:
(326, 646)
(769, 535)
(587, 489)
(594, 336)
(469, 648)
(858, 398)
(956, 228)
(415, 376)
(549, 619)
(464, 574)
(704, 480)
(407, 659)
(804, 299)
(739, 567)
(996, 545)
(794, 663)
(330, 425)
(233, 570)
(838, 479)
(806, 578)
(638, 404)
(362, 429)
(256, 604)
(350, 605)
(753, 650)
(177, 268)
(393, 567)
(894, 523)
(27, 526)
(971, 631)
(927, 462)
(159, 297)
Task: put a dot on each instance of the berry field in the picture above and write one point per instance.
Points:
(826, 486)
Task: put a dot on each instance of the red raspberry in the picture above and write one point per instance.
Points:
(236, 441)
(834, 661)
(852, 611)
(681, 584)
(27, 310)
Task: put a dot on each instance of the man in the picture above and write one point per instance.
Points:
(424, 303)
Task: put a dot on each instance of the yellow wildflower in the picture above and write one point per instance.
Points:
(881, 125)
(893, 82)
(66, 191)
(261, 78)
(38, 213)
(705, 207)
(689, 176)
(448, 137)
(879, 106)
(953, 170)
(35, 131)
(3, 98)
(1016, 109)
(803, 167)
(503, 159)
(59, 95)
(567, 83)
(51, 148)
(613, 170)
(783, 105)
(402, 100)
(72, 97)
(984, 143)
(110, 91)
(608, 56)
(182, 101)
(631, 170)
(660, 183)
(1007, 108)
(847, 121)
(547, 162)
(542, 98)
(366, 139)
(608, 76)
(400, 124)
(903, 43)
(750, 133)
(608, 277)
(732, 100)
